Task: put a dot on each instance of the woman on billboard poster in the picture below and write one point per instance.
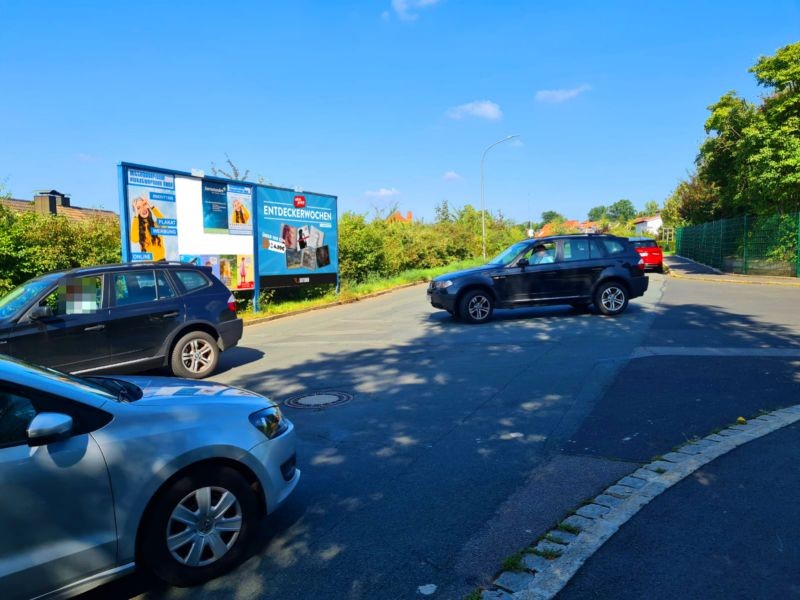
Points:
(145, 219)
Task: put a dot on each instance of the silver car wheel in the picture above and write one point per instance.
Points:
(197, 355)
(204, 526)
(479, 308)
(613, 298)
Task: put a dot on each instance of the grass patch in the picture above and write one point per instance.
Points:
(547, 554)
(473, 595)
(551, 538)
(352, 291)
(513, 563)
(660, 470)
(567, 528)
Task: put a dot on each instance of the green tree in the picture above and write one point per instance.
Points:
(597, 213)
(751, 157)
(621, 211)
(549, 216)
(651, 207)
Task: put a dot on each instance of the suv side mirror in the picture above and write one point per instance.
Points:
(41, 312)
(523, 262)
(47, 428)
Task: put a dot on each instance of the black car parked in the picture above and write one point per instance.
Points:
(126, 317)
(566, 269)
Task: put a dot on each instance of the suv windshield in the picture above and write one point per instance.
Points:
(644, 243)
(509, 254)
(21, 295)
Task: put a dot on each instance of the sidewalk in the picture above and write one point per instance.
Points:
(728, 531)
(684, 268)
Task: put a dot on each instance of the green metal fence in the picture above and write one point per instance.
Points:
(746, 245)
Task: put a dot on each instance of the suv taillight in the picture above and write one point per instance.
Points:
(232, 303)
(641, 264)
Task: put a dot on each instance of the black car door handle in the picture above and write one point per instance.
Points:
(95, 328)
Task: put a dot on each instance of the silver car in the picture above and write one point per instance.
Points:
(101, 475)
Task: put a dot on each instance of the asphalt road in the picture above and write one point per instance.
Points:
(464, 443)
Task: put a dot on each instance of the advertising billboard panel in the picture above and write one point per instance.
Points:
(298, 237)
(250, 235)
(150, 210)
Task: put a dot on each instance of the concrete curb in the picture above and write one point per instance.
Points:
(301, 311)
(735, 281)
(610, 510)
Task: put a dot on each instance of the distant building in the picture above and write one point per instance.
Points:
(396, 217)
(55, 203)
(648, 225)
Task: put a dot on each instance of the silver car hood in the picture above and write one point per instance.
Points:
(170, 391)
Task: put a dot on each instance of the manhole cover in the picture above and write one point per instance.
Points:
(318, 400)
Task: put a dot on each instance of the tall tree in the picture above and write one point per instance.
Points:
(549, 216)
(597, 213)
(620, 211)
(651, 207)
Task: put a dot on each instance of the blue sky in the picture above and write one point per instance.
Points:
(378, 102)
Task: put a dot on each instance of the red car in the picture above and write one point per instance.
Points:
(650, 252)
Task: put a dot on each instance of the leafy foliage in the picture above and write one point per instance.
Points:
(598, 213)
(32, 244)
(620, 211)
(549, 216)
(378, 248)
(750, 161)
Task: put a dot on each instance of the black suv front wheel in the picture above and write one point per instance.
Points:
(476, 306)
(611, 298)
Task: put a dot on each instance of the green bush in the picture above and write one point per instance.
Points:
(32, 244)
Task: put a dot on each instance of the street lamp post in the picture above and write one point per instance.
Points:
(483, 208)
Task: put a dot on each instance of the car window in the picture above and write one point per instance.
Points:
(76, 296)
(596, 248)
(16, 413)
(192, 280)
(19, 297)
(164, 286)
(645, 244)
(614, 247)
(135, 287)
(541, 254)
(577, 249)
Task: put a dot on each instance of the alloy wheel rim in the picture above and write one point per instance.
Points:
(204, 526)
(613, 298)
(197, 355)
(479, 307)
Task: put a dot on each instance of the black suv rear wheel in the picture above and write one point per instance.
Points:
(611, 298)
(476, 306)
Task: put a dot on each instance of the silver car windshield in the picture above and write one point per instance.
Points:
(16, 299)
(509, 254)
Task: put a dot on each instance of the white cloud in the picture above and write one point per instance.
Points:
(481, 109)
(555, 96)
(406, 10)
(451, 176)
(383, 193)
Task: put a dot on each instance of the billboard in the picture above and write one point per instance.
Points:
(250, 235)
(298, 237)
(150, 209)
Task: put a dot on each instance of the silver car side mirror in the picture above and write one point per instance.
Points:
(47, 428)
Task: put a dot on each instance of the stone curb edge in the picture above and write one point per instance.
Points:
(301, 311)
(601, 518)
(734, 281)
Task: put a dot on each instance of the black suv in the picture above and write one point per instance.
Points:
(564, 269)
(126, 317)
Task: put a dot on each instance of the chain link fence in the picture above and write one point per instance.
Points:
(745, 245)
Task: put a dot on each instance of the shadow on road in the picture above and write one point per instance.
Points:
(444, 427)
